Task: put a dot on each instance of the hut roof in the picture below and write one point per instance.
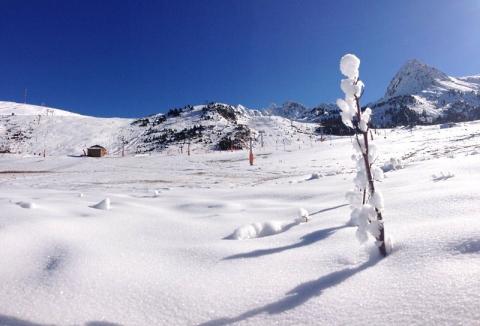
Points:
(97, 146)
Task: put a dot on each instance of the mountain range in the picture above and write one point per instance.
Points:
(418, 94)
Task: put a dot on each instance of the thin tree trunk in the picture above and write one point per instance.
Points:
(371, 185)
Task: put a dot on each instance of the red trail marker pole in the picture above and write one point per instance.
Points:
(250, 156)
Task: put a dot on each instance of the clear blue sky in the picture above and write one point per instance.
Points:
(132, 58)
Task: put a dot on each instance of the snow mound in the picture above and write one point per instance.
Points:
(314, 176)
(303, 216)
(104, 204)
(393, 164)
(259, 230)
(26, 204)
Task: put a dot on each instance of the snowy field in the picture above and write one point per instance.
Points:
(207, 239)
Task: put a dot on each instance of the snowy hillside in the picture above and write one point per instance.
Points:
(290, 110)
(165, 248)
(299, 112)
(215, 126)
(62, 134)
(218, 126)
(328, 115)
(13, 108)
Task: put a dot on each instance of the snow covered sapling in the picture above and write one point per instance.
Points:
(303, 216)
(365, 200)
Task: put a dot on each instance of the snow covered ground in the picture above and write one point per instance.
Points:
(161, 251)
(13, 108)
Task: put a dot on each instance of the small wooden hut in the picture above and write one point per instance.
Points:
(96, 151)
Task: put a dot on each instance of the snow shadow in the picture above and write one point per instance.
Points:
(442, 176)
(56, 258)
(14, 321)
(470, 246)
(54, 263)
(328, 209)
(306, 240)
(298, 295)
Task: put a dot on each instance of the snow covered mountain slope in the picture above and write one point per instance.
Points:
(218, 126)
(61, 134)
(13, 108)
(291, 110)
(420, 94)
(416, 77)
(215, 126)
(299, 112)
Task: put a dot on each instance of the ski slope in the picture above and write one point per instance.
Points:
(13, 108)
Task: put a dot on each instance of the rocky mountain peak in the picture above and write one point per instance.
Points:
(413, 77)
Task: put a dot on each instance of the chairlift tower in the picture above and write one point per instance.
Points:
(261, 132)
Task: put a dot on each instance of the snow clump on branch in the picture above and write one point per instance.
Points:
(366, 202)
